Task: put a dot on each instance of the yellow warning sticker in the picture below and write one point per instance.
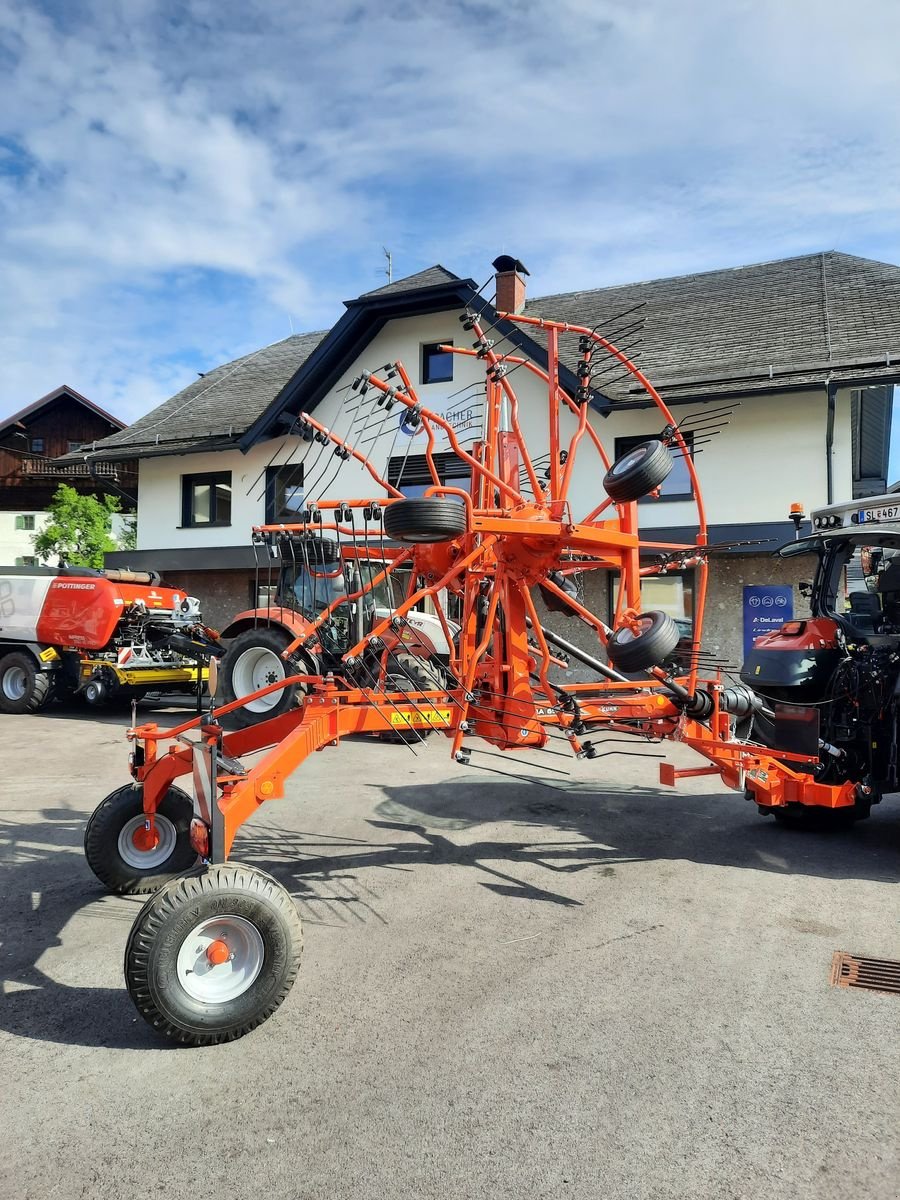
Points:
(48, 655)
(425, 716)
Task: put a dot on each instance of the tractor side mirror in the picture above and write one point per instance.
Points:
(806, 588)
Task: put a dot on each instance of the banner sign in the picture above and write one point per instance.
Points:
(766, 608)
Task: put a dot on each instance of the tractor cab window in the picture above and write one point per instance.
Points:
(864, 588)
(315, 586)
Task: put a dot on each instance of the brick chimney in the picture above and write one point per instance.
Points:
(510, 284)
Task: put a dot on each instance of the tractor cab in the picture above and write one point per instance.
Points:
(856, 578)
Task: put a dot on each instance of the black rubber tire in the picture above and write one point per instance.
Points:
(407, 673)
(162, 928)
(273, 640)
(101, 841)
(636, 652)
(816, 819)
(38, 685)
(639, 471)
(421, 522)
(95, 693)
(317, 551)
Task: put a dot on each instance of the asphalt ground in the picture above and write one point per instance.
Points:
(531, 984)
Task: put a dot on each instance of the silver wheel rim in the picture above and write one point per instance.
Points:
(626, 635)
(15, 683)
(218, 983)
(631, 459)
(146, 860)
(257, 668)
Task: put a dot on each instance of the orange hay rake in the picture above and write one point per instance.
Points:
(215, 950)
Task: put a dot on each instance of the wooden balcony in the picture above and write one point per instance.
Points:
(45, 468)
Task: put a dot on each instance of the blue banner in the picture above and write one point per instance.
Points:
(766, 608)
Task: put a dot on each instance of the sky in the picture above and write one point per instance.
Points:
(182, 182)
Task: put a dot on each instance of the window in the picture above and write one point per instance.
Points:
(27, 561)
(410, 474)
(678, 484)
(37, 445)
(206, 499)
(73, 446)
(284, 494)
(436, 367)
(25, 521)
(672, 594)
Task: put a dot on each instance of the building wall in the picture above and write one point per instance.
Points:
(18, 543)
(771, 454)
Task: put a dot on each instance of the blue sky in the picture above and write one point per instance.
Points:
(182, 181)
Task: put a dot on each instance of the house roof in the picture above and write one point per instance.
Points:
(431, 277)
(217, 407)
(32, 410)
(782, 325)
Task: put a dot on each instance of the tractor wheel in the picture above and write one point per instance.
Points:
(424, 521)
(406, 673)
(817, 819)
(24, 687)
(254, 661)
(119, 851)
(638, 472)
(656, 637)
(213, 954)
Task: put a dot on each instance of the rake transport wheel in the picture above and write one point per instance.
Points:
(213, 954)
(424, 521)
(638, 472)
(126, 857)
(649, 645)
(254, 661)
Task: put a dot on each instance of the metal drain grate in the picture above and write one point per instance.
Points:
(874, 974)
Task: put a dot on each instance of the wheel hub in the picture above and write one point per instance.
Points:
(220, 959)
(144, 839)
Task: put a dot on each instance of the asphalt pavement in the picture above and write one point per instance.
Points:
(551, 978)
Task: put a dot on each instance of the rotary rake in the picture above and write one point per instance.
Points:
(215, 950)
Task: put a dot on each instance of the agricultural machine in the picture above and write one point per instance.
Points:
(102, 635)
(216, 947)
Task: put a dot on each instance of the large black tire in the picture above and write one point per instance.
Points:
(314, 550)
(655, 640)
(170, 961)
(638, 472)
(424, 521)
(818, 819)
(407, 673)
(253, 660)
(24, 687)
(109, 841)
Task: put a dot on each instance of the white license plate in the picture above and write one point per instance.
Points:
(890, 513)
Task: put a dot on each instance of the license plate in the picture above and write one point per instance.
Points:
(889, 513)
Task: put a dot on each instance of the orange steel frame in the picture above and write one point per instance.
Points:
(513, 541)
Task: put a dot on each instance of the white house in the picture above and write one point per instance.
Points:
(804, 351)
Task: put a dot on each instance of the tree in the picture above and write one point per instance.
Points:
(79, 530)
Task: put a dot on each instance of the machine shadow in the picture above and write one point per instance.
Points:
(44, 883)
(414, 827)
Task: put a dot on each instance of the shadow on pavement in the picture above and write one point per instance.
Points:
(44, 882)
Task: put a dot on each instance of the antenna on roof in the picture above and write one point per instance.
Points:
(389, 269)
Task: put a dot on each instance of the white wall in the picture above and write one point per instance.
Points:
(17, 543)
(771, 454)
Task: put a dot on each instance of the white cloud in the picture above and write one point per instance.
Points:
(179, 177)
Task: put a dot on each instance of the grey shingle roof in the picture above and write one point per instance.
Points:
(784, 323)
(431, 277)
(219, 405)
